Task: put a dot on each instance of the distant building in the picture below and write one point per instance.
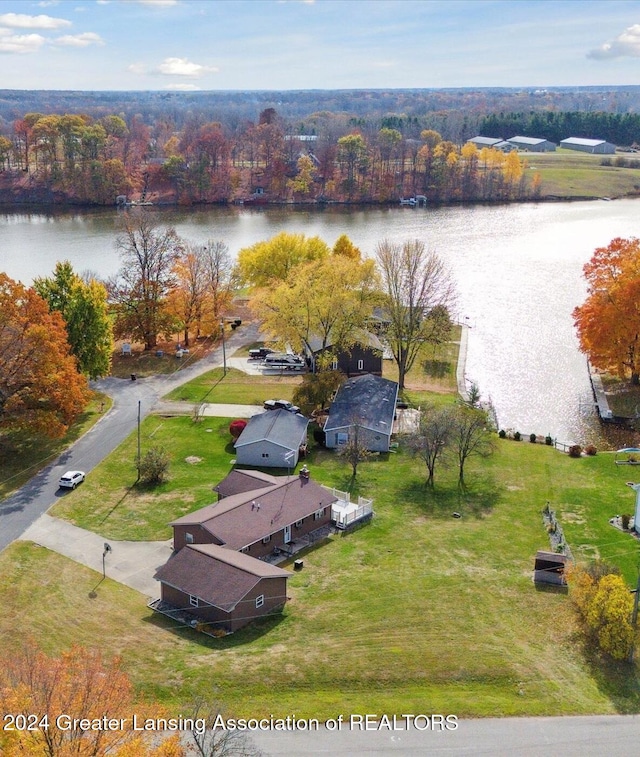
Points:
(481, 142)
(532, 144)
(597, 146)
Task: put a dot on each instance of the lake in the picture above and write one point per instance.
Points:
(518, 270)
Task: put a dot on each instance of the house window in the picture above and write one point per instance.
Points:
(360, 364)
(265, 454)
(318, 514)
(266, 540)
(342, 438)
(334, 364)
(193, 601)
(259, 601)
(188, 538)
(299, 523)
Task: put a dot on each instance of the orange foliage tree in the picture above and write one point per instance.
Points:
(76, 704)
(608, 322)
(41, 390)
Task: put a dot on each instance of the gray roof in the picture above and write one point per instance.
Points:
(488, 141)
(280, 427)
(243, 519)
(369, 400)
(238, 481)
(528, 140)
(218, 576)
(581, 141)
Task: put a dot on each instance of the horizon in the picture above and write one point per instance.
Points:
(191, 46)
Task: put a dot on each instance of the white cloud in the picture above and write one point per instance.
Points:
(183, 87)
(19, 43)
(22, 21)
(158, 2)
(79, 40)
(626, 45)
(183, 67)
(137, 68)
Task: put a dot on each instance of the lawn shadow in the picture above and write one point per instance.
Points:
(477, 499)
(619, 681)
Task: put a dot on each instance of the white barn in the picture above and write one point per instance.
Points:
(532, 144)
(598, 146)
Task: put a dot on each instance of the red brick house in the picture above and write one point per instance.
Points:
(220, 589)
(260, 521)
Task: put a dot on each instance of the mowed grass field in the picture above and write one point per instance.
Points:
(415, 612)
(572, 174)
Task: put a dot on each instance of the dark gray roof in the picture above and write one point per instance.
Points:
(279, 427)
(371, 400)
(243, 519)
(364, 338)
(218, 576)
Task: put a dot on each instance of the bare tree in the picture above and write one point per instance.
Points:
(215, 740)
(471, 436)
(146, 277)
(418, 293)
(355, 449)
(430, 442)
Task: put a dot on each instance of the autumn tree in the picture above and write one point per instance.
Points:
(608, 322)
(355, 449)
(78, 685)
(605, 606)
(418, 294)
(139, 292)
(323, 303)
(273, 260)
(41, 390)
(316, 390)
(83, 305)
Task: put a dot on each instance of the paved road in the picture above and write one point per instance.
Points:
(25, 506)
(591, 736)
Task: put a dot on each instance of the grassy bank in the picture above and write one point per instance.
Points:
(571, 174)
(417, 611)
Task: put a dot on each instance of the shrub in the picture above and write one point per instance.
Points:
(590, 450)
(517, 436)
(154, 466)
(502, 433)
(237, 427)
(575, 450)
(548, 441)
(624, 521)
(532, 438)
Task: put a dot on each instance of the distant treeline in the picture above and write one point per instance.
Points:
(621, 129)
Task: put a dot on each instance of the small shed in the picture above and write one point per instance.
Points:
(549, 568)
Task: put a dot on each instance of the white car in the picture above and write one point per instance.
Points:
(71, 479)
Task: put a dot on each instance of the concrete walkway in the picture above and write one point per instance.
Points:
(212, 410)
(132, 563)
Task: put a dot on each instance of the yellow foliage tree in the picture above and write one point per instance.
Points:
(609, 616)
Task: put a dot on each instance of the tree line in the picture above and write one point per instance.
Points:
(81, 159)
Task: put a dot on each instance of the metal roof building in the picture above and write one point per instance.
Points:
(532, 144)
(598, 146)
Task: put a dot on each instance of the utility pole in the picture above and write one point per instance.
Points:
(139, 452)
(634, 618)
(224, 352)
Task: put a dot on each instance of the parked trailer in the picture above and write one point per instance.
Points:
(284, 362)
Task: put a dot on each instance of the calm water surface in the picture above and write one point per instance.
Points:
(518, 270)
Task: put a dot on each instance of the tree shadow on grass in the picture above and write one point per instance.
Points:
(618, 681)
(450, 500)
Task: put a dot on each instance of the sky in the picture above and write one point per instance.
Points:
(200, 45)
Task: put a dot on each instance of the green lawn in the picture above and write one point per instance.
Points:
(23, 461)
(568, 173)
(415, 612)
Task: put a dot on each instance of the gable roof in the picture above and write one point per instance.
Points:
(583, 141)
(528, 140)
(243, 519)
(193, 568)
(369, 399)
(279, 427)
(487, 141)
(238, 481)
(363, 337)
